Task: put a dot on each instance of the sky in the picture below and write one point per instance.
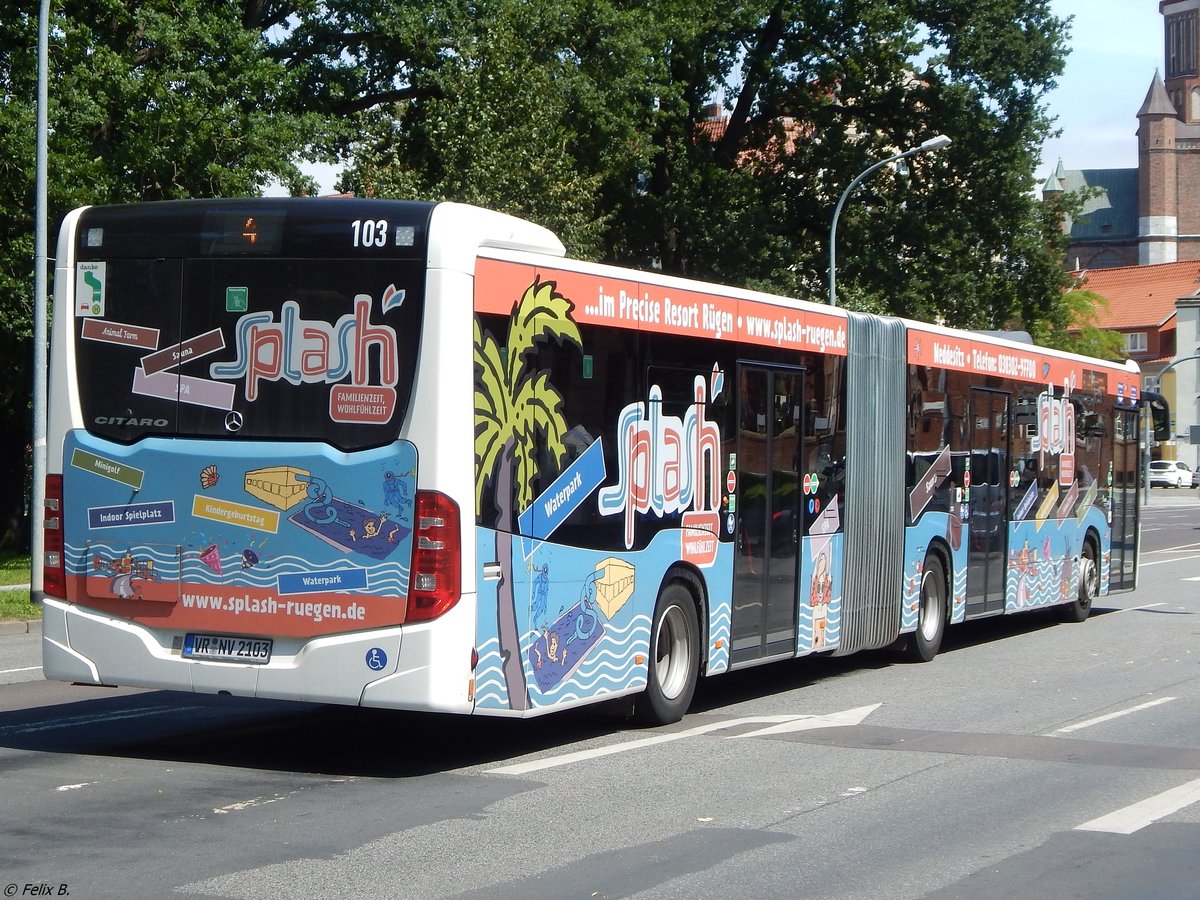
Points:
(1116, 46)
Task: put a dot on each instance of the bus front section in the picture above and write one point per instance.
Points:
(234, 502)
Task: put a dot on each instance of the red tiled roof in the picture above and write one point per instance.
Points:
(1141, 296)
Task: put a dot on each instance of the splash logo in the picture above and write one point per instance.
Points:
(1056, 432)
(304, 351)
(666, 464)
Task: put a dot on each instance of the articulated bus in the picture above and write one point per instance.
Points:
(409, 455)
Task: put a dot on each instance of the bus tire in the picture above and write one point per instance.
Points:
(932, 613)
(674, 658)
(1089, 584)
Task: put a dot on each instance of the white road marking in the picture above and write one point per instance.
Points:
(248, 804)
(777, 725)
(580, 755)
(1078, 726)
(1195, 545)
(1136, 608)
(75, 787)
(26, 669)
(808, 723)
(1163, 562)
(1139, 815)
(98, 718)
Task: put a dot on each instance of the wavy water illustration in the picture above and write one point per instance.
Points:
(385, 578)
(610, 666)
(909, 610)
(719, 625)
(490, 690)
(833, 623)
(1043, 586)
(959, 598)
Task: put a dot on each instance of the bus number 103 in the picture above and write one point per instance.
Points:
(370, 232)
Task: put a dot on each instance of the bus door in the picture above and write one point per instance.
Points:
(770, 416)
(1122, 480)
(987, 499)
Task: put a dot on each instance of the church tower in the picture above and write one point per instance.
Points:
(1157, 190)
(1169, 144)
(1181, 46)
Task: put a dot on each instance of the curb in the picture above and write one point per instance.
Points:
(28, 627)
(33, 626)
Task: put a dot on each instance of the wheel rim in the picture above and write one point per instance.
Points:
(1088, 579)
(672, 653)
(931, 607)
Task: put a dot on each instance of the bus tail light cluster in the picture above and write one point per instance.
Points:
(437, 558)
(54, 572)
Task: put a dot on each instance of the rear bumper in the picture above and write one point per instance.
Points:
(428, 665)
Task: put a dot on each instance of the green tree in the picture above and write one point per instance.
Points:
(1085, 335)
(153, 100)
(18, 59)
(526, 106)
(594, 115)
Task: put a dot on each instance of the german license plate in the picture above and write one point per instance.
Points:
(226, 648)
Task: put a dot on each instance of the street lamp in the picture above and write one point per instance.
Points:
(37, 505)
(934, 143)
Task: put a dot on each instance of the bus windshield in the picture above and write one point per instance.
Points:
(215, 342)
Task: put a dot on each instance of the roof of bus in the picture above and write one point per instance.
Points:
(1128, 366)
(659, 278)
(672, 281)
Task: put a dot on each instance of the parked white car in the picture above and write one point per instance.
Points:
(1171, 473)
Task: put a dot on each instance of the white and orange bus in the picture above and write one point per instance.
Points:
(409, 455)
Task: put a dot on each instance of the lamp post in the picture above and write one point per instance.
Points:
(37, 504)
(934, 143)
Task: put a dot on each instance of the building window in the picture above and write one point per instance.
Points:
(1135, 342)
(1181, 43)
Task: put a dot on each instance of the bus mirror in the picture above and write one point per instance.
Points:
(1160, 415)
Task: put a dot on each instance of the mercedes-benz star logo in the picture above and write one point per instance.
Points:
(233, 421)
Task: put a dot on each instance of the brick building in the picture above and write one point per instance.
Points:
(1156, 308)
(1137, 241)
(1150, 214)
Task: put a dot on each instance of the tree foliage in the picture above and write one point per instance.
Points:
(152, 100)
(592, 117)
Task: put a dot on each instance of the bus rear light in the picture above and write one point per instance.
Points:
(54, 574)
(437, 558)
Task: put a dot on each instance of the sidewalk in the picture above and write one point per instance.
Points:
(28, 627)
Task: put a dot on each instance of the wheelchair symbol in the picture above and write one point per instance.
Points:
(376, 659)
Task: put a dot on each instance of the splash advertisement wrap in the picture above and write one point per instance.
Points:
(819, 611)
(1042, 556)
(584, 622)
(566, 623)
(212, 539)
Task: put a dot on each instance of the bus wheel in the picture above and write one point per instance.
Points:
(674, 658)
(924, 643)
(1089, 585)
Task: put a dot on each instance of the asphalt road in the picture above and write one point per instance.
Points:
(1030, 759)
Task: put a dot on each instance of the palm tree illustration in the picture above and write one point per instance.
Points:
(518, 419)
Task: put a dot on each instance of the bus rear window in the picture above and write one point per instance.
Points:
(266, 348)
